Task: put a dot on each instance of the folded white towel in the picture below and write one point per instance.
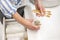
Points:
(14, 27)
(21, 34)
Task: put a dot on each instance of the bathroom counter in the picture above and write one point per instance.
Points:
(50, 28)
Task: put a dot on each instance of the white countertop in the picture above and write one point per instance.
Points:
(50, 28)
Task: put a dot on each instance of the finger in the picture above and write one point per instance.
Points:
(36, 28)
(38, 14)
(42, 11)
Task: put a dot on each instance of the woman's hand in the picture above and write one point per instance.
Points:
(26, 23)
(41, 10)
(39, 7)
(32, 26)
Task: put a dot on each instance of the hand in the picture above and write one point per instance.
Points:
(31, 26)
(39, 7)
(41, 10)
(26, 23)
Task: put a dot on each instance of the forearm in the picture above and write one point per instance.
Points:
(37, 3)
(20, 19)
(25, 22)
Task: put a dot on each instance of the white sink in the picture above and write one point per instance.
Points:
(49, 3)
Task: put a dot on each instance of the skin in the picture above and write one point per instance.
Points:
(28, 23)
(39, 7)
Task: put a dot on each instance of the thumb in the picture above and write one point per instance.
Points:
(31, 20)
